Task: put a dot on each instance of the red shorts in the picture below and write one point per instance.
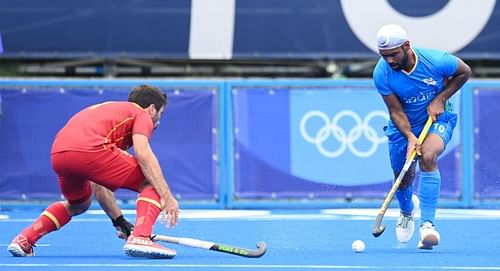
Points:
(112, 168)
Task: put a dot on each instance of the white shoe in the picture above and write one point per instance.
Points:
(405, 226)
(21, 247)
(429, 237)
(145, 247)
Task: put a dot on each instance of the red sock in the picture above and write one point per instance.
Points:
(148, 209)
(53, 218)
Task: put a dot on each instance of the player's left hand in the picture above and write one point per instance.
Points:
(123, 227)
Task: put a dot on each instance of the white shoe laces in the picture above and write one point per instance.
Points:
(403, 221)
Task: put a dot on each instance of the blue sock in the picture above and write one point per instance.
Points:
(404, 199)
(429, 190)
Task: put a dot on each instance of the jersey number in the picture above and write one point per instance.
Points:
(439, 127)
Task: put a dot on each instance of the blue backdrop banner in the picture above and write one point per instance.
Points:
(185, 142)
(486, 143)
(317, 142)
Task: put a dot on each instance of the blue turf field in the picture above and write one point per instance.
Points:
(297, 240)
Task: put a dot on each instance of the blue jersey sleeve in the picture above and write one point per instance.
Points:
(445, 63)
(381, 79)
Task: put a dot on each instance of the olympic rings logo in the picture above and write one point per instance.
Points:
(347, 139)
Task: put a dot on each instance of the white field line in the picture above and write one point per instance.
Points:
(256, 266)
(266, 215)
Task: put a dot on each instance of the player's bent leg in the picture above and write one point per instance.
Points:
(429, 190)
(138, 246)
(405, 226)
(77, 208)
(429, 237)
(53, 218)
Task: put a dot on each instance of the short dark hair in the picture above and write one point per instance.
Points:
(145, 95)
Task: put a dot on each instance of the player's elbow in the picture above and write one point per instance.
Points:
(467, 72)
(143, 155)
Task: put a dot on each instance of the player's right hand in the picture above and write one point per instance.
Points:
(170, 212)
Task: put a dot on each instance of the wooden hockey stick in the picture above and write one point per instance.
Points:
(378, 229)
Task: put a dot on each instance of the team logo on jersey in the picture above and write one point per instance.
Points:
(421, 97)
(430, 81)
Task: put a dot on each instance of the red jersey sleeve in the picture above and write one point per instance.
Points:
(143, 124)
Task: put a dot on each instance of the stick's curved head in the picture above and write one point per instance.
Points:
(378, 230)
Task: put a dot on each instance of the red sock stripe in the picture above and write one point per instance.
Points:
(58, 214)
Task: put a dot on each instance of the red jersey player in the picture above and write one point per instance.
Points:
(91, 148)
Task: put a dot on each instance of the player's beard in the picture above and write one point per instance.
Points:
(404, 61)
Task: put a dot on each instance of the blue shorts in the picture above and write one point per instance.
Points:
(443, 127)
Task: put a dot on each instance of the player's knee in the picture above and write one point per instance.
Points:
(428, 161)
(144, 186)
(80, 207)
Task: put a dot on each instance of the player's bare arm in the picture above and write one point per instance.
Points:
(462, 74)
(152, 171)
(107, 200)
(400, 119)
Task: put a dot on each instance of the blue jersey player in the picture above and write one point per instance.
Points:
(415, 84)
